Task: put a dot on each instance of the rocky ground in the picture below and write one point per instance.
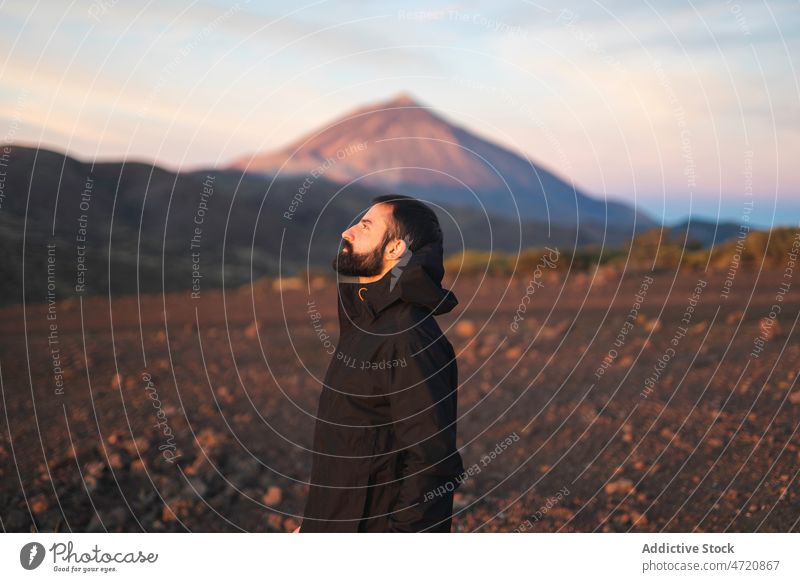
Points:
(176, 414)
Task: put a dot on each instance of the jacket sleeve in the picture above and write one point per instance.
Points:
(423, 403)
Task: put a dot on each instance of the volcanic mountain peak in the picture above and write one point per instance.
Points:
(402, 99)
(399, 132)
(404, 146)
(401, 116)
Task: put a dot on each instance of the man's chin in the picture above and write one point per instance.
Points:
(349, 265)
(346, 270)
(353, 271)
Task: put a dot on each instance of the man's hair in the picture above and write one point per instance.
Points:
(412, 219)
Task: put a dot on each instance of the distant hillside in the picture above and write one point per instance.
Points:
(143, 218)
(703, 233)
(654, 250)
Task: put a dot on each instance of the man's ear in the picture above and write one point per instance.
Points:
(396, 249)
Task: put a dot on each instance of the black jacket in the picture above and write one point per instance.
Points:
(384, 453)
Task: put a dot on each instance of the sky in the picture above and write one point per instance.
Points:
(681, 108)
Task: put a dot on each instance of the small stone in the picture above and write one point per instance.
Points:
(768, 328)
(653, 325)
(513, 353)
(39, 504)
(734, 317)
(273, 495)
(619, 486)
(251, 331)
(638, 518)
(465, 328)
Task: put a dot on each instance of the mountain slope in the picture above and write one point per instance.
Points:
(403, 146)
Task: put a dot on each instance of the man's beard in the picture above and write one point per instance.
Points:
(359, 265)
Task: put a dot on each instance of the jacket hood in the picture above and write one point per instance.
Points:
(416, 280)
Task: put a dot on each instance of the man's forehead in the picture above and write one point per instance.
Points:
(378, 213)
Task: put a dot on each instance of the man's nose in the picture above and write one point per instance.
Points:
(347, 236)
